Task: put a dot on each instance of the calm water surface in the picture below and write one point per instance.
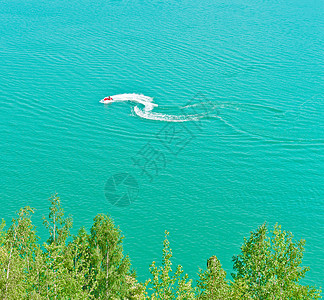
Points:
(258, 158)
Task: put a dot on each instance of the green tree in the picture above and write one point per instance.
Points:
(109, 268)
(58, 280)
(18, 257)
(212, 283)
(270, 267)
(78, 262)
(57, 224)
(166, 284)
(93, 266)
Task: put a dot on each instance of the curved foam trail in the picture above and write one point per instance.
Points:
(149, 105)
(137, 98)
(147, 114)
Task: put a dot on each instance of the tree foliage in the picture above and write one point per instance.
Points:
(270, 267)
(166, 284)
(91, 265)
(212, 282)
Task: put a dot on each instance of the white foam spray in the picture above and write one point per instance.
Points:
(146, 111)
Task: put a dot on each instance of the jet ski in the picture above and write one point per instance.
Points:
(106, 100)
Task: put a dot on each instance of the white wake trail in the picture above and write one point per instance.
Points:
(146, 111)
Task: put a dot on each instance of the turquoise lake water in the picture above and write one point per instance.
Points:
(255, 67)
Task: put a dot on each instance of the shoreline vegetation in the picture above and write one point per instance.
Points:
(91, 265)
